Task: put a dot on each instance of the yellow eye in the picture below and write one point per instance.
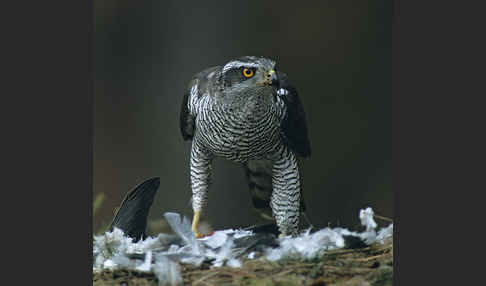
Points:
(248, 72)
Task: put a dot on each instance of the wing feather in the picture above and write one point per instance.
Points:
(199, 85)
(294, 126)
(187, 121)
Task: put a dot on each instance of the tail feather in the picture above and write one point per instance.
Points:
(259, 176)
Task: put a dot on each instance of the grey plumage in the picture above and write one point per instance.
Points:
(247, 112)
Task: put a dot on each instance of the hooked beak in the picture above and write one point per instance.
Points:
(272, 79)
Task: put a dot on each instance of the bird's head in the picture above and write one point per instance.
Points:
(249, 75)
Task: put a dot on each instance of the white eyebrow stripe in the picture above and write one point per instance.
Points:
(238, 64)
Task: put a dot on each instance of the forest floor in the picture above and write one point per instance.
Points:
(372, 265)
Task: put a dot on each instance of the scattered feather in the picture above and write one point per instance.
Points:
(366, 217)
(182, 227)
(251, 255)
(216, 240)
(384, 234)
(167, 271)
(147, 264)
(306, 246)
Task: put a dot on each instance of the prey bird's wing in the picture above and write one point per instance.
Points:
(131, 216)
(294, 131)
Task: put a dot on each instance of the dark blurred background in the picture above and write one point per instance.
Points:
(337, 53)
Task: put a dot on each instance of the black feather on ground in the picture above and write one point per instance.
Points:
(131, 216)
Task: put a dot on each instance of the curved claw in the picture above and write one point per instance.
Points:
(199, 235)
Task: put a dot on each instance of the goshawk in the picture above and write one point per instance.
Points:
(246, 111)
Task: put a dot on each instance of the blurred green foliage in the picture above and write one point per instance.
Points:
(97, 203)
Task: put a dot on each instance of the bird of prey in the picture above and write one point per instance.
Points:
(248, 112)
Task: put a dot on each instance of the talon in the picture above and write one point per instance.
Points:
(198, 235)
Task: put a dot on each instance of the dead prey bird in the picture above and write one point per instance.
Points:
(131, 218)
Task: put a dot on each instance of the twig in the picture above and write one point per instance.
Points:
(205, 277)
(338, 251)
(386, 248)
(241, 272)
(371, 257)
(345, 270)
(207, 283)
(192, 272)
(383, 218)
(284, 272)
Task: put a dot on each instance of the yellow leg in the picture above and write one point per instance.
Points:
(195, 224)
